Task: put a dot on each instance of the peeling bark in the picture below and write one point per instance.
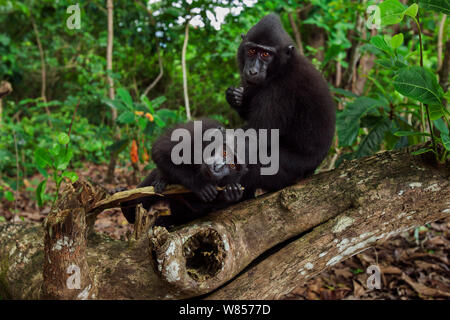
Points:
(344, 211)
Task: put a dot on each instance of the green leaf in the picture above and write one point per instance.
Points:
(344, 93)
(9, 196)
(421, 151)
(118, 146)
(126, 117)
(348, 121)
(447, 96)
(372, 141)
(40, 192)
(148, 103)
(159, 122)
(157, 102)
(436, 5)
(380, 43)
(391, 11)
(72, 176)
(441, 126)
(125, 96)
(67, 157)
(412, 10)
(2, 219)
(142, 122)
(436, 111)
(41, 170)
(42, 158)
(446, 141)
(410, 133)
(419, 84)
(397, 41)
(115, 104)
(63, 138)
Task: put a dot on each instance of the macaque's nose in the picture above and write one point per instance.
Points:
(218, 166)
(253, 72)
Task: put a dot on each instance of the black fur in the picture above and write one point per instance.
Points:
(294, 98)
(202, 179)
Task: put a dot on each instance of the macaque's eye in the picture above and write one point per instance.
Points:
(251, 52)
(266, 54)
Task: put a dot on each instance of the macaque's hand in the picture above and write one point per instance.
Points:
(207, 193)
(233, 192)
(235, 96)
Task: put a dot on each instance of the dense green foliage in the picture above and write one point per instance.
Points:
(385, 81)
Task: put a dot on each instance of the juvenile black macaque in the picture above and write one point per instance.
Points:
(202, 179)
(280, 89)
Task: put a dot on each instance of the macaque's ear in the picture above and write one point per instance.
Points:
(290, 50)
(242, 36)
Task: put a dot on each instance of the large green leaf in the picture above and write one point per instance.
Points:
(397, 41)
(419, 84)
(115, 104)
(126, 117)
(63, 138)
(392, 12)
(380, 43)
(348, 121)
(125, 96)
(436, 5)
(372, 141)
(446, 141)
(42, 158)
(40, 190)
(441, 126)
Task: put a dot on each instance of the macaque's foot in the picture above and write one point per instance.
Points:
(207, 193)
(235, 96)
(233, 192)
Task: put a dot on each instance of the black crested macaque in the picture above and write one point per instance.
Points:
(202, 179)
(280, 89)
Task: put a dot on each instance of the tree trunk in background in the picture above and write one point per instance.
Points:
(183, 65)
(297, 34)
(441, 41)
(160, 75)
(111, 93)
(43, 70)
(349, 77)
(344, 211)
(5, 89)
(445, 68)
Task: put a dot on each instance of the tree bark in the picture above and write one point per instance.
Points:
(445, 68)
(43, 70)
(160, 75)
(440, 44)
(297, 34)
(5, 89)
(343, 211)
(111, 92)
(183, 65)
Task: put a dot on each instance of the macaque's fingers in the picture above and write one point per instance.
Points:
(208, 193)
(233, 192)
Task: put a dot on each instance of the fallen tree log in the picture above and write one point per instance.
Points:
(369, 199)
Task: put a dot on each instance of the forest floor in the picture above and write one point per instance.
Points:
(414, 265)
